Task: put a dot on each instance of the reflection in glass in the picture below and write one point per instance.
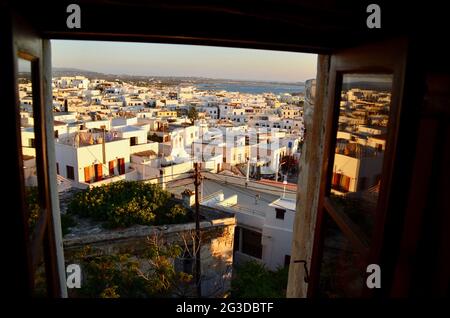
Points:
(25, 94)
(360, 146)
(28, 140)
(342, 271)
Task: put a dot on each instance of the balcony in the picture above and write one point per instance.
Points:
(130, 175)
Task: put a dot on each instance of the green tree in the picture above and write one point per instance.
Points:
(193, 114)
(161, 275)
(122, 275)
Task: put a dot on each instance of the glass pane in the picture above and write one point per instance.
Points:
(342, 271)
(28, 141)
(360, 146)
(40, 280)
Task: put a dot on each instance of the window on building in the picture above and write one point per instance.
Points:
(111, 167)
(279, 213)
(340, 182)
(70, 172)
(88, 173)
(98, 172)
(121, 165)
(251, 243)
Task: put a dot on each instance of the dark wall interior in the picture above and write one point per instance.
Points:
(311, 26)
(320, 26)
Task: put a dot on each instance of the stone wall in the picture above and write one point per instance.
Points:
(216, 242)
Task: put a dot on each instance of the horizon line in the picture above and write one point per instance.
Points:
(181, 76)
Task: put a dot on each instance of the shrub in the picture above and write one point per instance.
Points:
(253, 280)
(125, 203)
(31, 199)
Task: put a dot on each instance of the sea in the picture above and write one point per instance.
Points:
(254, 88)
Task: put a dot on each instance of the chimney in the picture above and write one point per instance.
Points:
(188, 197)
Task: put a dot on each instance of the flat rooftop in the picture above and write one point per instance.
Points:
(146, 153)
(247, 199)
(130, 128)
(284, 204)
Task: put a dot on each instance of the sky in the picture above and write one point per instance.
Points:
(377, 78)
(151, 59)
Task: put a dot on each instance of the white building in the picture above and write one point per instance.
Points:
(356, 167)
(211, 111)
(86, 158)
(264, 219)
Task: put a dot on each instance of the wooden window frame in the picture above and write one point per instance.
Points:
(44, 241)
(361, 60)
(98, 36)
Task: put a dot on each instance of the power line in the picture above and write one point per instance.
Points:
(241, 178)
(253, 187)
(172, 175)
(165, 182)
(251, 194)
(243, 191)
(272, 190)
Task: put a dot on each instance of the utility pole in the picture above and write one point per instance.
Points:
(197, 232)
(277, 167)
(103, 146)
(201, 190)
(248, 169)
